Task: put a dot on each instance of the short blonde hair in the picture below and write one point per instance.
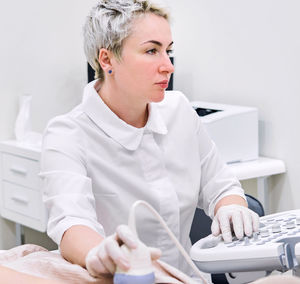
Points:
(109, 23)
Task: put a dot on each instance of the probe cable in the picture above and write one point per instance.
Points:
(132, 226)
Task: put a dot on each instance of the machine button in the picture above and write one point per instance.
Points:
(291, 224)
(276, 228)
(264, 233)
(247, 242)
(255, 237)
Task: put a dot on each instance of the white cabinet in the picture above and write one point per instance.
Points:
(20, 185)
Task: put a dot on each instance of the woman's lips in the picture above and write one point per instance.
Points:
(163, 84)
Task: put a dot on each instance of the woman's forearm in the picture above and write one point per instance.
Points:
(230, 199)
(77, 242)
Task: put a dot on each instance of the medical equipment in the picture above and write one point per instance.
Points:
(141, 269)
(233, 128)
(275, 247)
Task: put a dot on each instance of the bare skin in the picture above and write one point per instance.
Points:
(10, 276)
(231, 199)
(77, 242)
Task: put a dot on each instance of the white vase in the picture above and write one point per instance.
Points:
(23, 122)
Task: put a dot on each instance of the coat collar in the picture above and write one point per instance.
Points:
(127, 135)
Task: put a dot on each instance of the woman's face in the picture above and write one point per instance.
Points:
(145, 68)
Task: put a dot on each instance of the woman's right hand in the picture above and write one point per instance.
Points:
(103, 259)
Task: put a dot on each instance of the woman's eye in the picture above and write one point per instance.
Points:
(170, 52)
(152, 51)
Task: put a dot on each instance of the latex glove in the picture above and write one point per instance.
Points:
(242, 220)
(103, 259)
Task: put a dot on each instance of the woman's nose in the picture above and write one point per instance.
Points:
(166, 65)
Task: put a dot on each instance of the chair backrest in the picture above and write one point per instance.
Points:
(201, 222)
(255, 205)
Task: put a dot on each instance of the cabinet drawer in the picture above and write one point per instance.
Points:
(21, 171)
(21, 200)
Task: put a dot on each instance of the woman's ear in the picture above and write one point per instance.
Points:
(105, 59)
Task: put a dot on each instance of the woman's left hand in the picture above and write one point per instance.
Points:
(242, 220)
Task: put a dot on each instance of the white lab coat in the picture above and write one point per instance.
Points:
(95, 166)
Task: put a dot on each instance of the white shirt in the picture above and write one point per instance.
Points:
(95, 166)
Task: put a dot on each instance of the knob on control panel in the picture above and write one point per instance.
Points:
(276, 228)
(291, 224)
(264, 233)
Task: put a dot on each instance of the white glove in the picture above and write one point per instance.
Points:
(241, 219)
(103, 259)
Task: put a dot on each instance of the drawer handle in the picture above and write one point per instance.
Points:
(19, 170)
(20, 199)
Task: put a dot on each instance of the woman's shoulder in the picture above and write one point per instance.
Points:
(64, 129)
(65, 121)
(64, 134)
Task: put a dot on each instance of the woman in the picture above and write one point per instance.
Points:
(129, 140)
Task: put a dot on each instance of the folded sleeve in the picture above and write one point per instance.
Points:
(217, 180)
(67, 190)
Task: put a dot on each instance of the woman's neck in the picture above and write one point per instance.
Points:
(124, 106)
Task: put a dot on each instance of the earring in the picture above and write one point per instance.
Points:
(109, 71)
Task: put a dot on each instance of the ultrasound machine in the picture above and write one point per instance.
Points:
(276, 246)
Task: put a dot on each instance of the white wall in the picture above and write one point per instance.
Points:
(237, 52)
(247, 53)
(41, 54)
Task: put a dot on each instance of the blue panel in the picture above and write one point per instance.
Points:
(134, 279)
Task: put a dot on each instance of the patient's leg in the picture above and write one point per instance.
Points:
(10, 276)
